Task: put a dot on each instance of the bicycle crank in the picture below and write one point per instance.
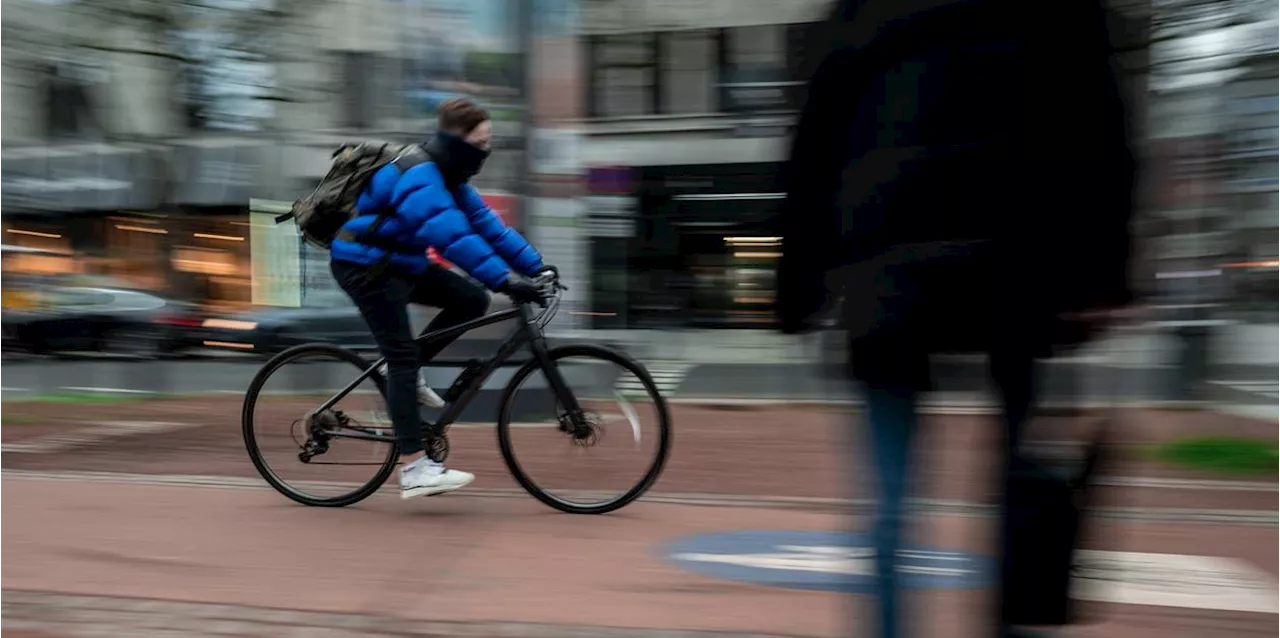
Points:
(438, 448)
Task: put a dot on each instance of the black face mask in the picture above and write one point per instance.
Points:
(458, 159)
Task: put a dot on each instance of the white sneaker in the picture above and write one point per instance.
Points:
(426, 396)
(427, 478)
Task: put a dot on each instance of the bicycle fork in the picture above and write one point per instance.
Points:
(573, 421)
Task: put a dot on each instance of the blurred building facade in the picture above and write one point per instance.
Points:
(688, 106)
(135, 135)
(135, 139)
(1251, 151)
(688, 109)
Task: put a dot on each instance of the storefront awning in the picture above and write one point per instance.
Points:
(80, 177)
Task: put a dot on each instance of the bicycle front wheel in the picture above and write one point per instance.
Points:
(292, 443)
(600, 462)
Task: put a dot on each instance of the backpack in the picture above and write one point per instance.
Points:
(322, 213)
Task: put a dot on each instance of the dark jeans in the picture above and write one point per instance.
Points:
(383, 296)
(891, 415)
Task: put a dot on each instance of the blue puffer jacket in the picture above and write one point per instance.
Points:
(459, 225)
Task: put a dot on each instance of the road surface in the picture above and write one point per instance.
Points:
(680, 379)
(163, 528)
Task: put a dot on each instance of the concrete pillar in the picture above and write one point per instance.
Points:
(555, 99)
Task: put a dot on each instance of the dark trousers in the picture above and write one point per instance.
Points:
(892, 421)
(383, 296)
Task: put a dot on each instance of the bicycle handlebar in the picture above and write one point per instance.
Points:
(548, 282)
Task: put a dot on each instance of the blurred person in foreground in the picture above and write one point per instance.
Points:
(960, 176)
(380, 259)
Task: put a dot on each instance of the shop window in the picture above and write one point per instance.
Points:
(610, 285)
(40, 264)
(688, 72)
(69, 106)
(203, 261)
(756, 75)
(36, 251)
(623, 75)
(138, 251)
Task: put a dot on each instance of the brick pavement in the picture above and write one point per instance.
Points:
(51, 615)
(472, 566)
(716, 451)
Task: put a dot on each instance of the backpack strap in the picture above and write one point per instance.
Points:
(407, 159)
(410, 157)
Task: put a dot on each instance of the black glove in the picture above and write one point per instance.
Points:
(548, 268)
(521, 290)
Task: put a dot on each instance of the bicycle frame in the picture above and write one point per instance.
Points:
(527, 331)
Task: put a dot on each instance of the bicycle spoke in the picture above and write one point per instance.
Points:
(313, 455)
(595, 459)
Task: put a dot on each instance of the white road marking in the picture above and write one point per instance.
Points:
(1269, 389)
(106, 390)
(1132, 578)
(667, 376)
(14, 390)
(1174, 580)
(1187, 484)
(78, 437)
(1259, 412)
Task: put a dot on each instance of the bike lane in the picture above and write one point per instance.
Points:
(788, 452)
(460, 559)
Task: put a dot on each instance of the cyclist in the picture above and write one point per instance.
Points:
(380, 259)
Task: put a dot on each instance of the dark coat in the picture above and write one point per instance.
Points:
(961, 174)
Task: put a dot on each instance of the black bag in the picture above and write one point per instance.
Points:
(1047, 506)
(1046, 509)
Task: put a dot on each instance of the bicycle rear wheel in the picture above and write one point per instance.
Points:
(285, 435)
(627, 435)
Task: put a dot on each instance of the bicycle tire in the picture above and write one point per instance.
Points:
(507, 404)
(255, 453)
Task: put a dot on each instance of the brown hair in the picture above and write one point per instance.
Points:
(460, 115)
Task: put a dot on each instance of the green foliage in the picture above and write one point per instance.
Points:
(84, 398)
(1222, 454)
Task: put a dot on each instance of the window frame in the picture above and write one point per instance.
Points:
(596, 67)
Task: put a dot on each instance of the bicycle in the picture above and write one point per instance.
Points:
(583, 428)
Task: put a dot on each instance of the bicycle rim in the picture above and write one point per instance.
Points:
(280, 422)
(585, 472)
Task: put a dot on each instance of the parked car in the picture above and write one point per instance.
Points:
(55, 317)
(269, 330)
